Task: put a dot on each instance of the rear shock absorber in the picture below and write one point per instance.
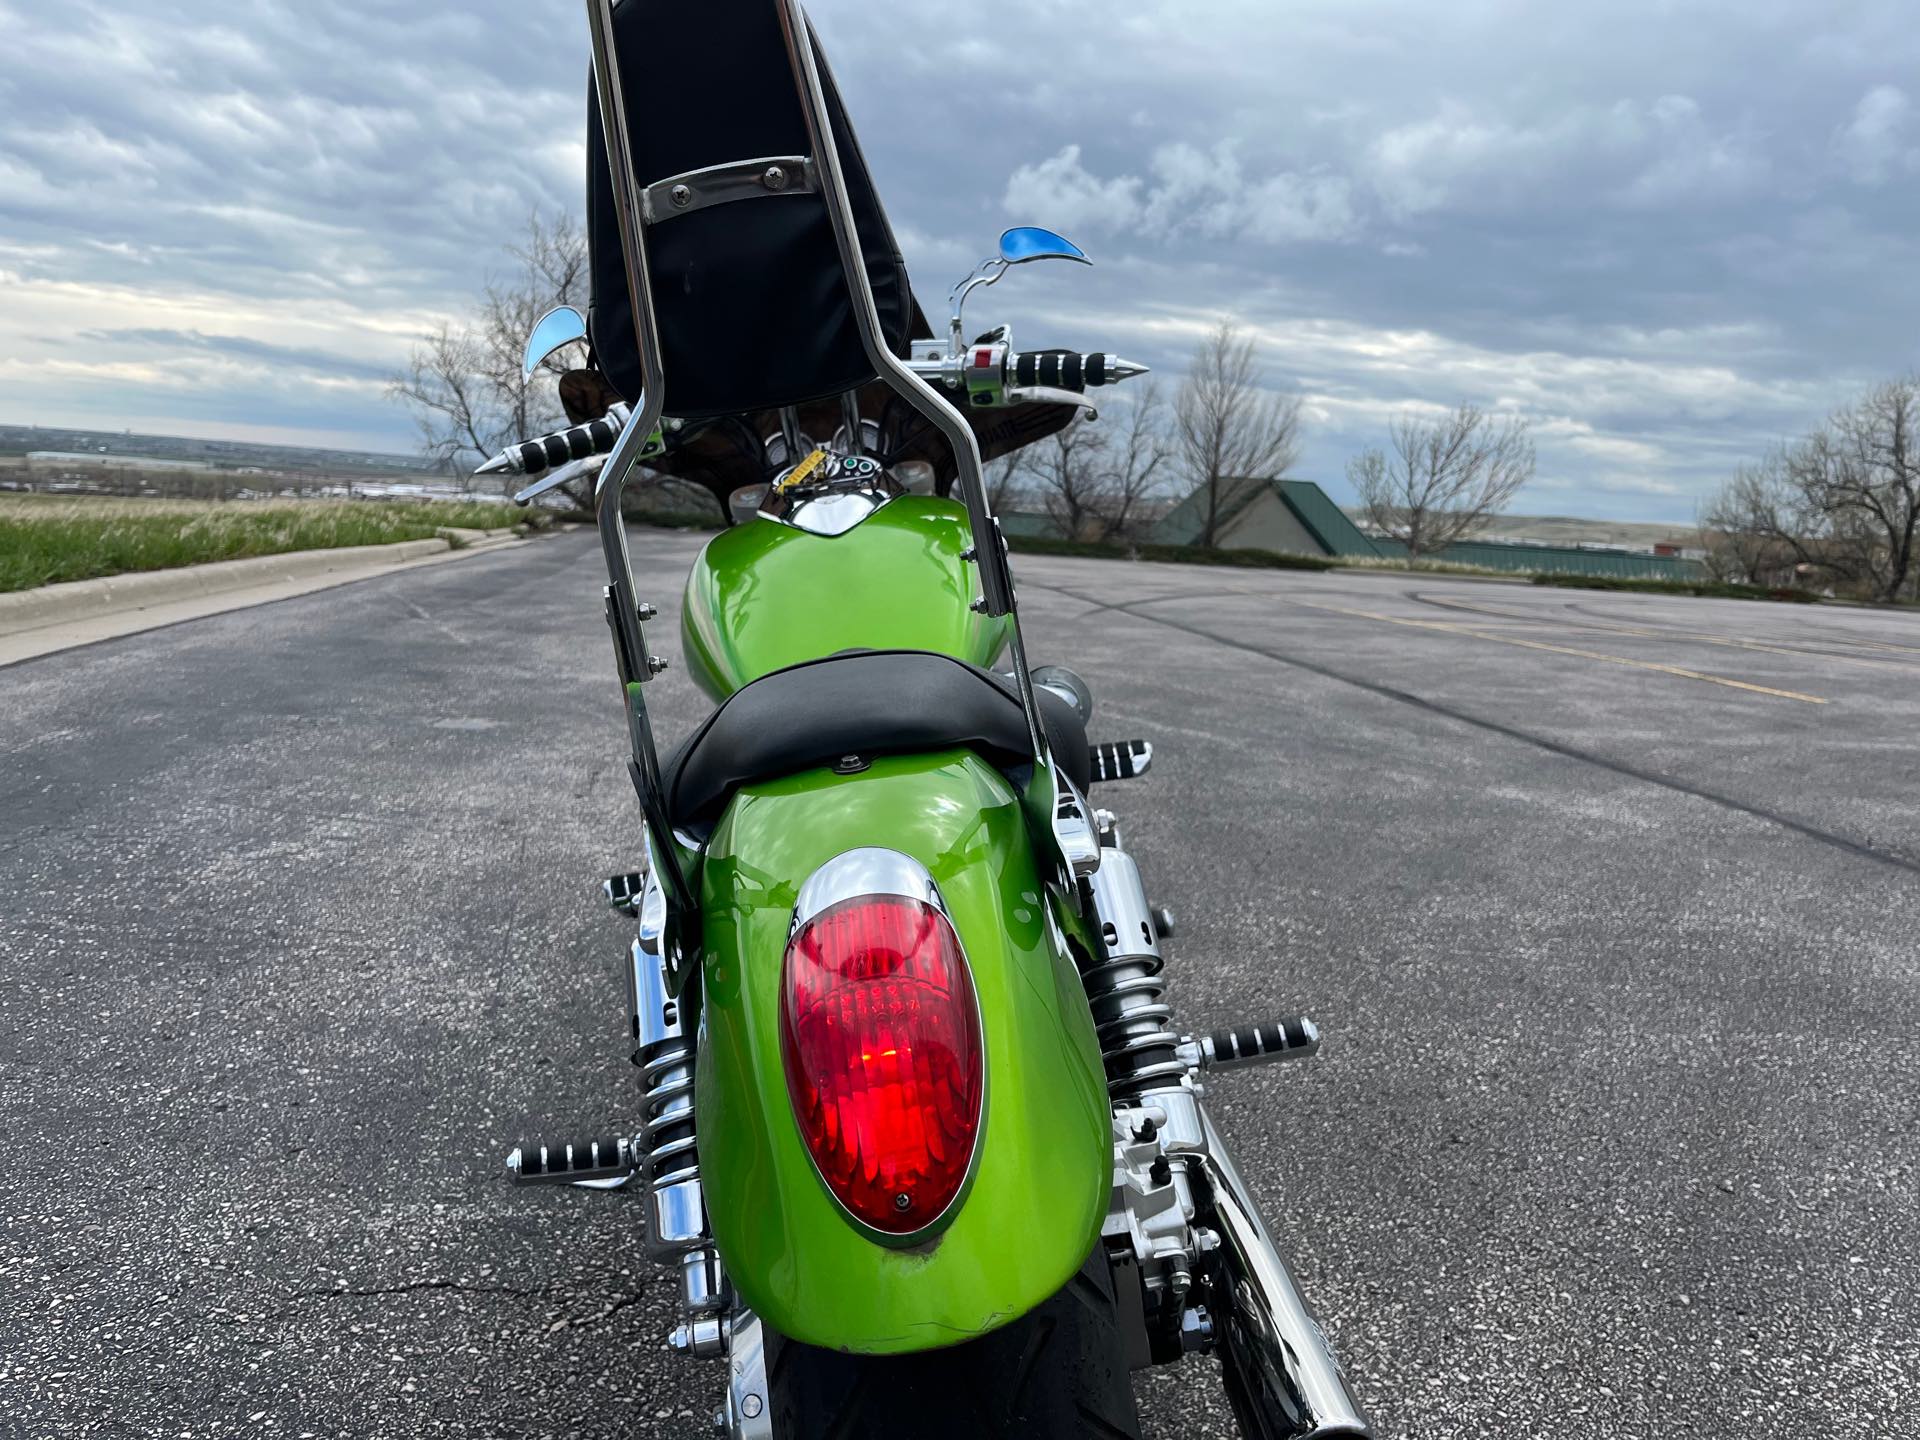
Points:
(677, 1218)
(1124, 987)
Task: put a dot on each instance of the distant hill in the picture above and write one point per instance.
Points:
(18, 440)
(1571, 530)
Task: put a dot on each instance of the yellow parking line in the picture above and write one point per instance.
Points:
(1615, 628)
(1482, 634)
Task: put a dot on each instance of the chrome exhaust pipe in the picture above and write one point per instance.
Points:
(1280, 1372)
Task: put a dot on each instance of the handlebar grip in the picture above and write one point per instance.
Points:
(596, 437)
(1068, 370)
(1058, 369)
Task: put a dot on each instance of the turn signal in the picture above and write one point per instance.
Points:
(880, 1032)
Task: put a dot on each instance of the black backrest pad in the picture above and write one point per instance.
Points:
(751, 298)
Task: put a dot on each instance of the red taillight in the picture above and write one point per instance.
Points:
(880, 1031)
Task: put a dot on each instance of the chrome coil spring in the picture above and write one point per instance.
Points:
(677, 1206)
(666, 1113)
(1124, 986)
(669, 1147)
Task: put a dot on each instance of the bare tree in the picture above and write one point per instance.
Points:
(1145, 451)
(1760, 530)
(1861, 473)
(1731, 548)
(1092, 477)
(1228, 428)
(465, 382)
(446, 387)
(1844, 503)
(1445, 479)
(1004, 477)
(1069, 469)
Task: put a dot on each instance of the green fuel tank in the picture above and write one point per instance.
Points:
(763, 595)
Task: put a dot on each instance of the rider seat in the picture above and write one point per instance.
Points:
(862, 703)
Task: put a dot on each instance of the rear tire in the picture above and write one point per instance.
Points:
(1058, 1371)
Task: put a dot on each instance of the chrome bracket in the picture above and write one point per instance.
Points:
(1074, 831)
(722, 184)
(748, 1414)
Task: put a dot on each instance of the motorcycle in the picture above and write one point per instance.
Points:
(917, 1132)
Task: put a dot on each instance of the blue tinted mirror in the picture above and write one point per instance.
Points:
(560, 326)
(1030, 242)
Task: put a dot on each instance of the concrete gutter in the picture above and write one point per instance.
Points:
(59, 617)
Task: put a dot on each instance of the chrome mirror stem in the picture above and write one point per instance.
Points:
(790, 432)
(989, 273)
(850, 422)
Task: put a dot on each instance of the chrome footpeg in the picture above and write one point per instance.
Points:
(1293, 1038)
(623, 892)
(1121, 760)
(578, 1162)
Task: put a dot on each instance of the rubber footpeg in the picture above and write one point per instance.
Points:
(1292, 1038)
(570, 1162)
(1121, 760)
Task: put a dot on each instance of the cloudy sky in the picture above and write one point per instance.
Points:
(1666, 231)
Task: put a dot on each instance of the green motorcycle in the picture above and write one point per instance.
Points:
(917, 1135)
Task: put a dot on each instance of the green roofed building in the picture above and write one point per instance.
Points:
(1297, 517)
(1294, 517)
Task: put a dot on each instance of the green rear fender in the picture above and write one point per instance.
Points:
(1041, 1183)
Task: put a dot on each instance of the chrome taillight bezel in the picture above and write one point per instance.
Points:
(872, 873)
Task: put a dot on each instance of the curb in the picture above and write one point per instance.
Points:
(1425, 575)
(82, 600)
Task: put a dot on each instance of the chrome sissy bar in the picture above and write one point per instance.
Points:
(660, 201)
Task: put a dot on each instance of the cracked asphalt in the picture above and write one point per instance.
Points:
(1606, 903)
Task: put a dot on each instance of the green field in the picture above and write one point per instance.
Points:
(45, 539)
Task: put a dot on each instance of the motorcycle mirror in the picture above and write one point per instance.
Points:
(1030, 242)
(561, 326)
(1017, 246)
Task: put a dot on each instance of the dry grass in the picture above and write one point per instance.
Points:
(48, 539)
(1427, 567)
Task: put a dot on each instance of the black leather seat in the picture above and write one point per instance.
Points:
(865, 703)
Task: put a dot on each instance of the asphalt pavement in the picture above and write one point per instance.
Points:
(1607, 905)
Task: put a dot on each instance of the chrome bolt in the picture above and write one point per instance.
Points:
(657, 664)
(775, 178)
(980, 605)
(751, 1407)
(1196, 1329)
(646, 611)
(681, 195)
(903, 1202)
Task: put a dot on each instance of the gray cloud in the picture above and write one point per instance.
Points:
(240, 347)
(1667, 234)
(1881, 143)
